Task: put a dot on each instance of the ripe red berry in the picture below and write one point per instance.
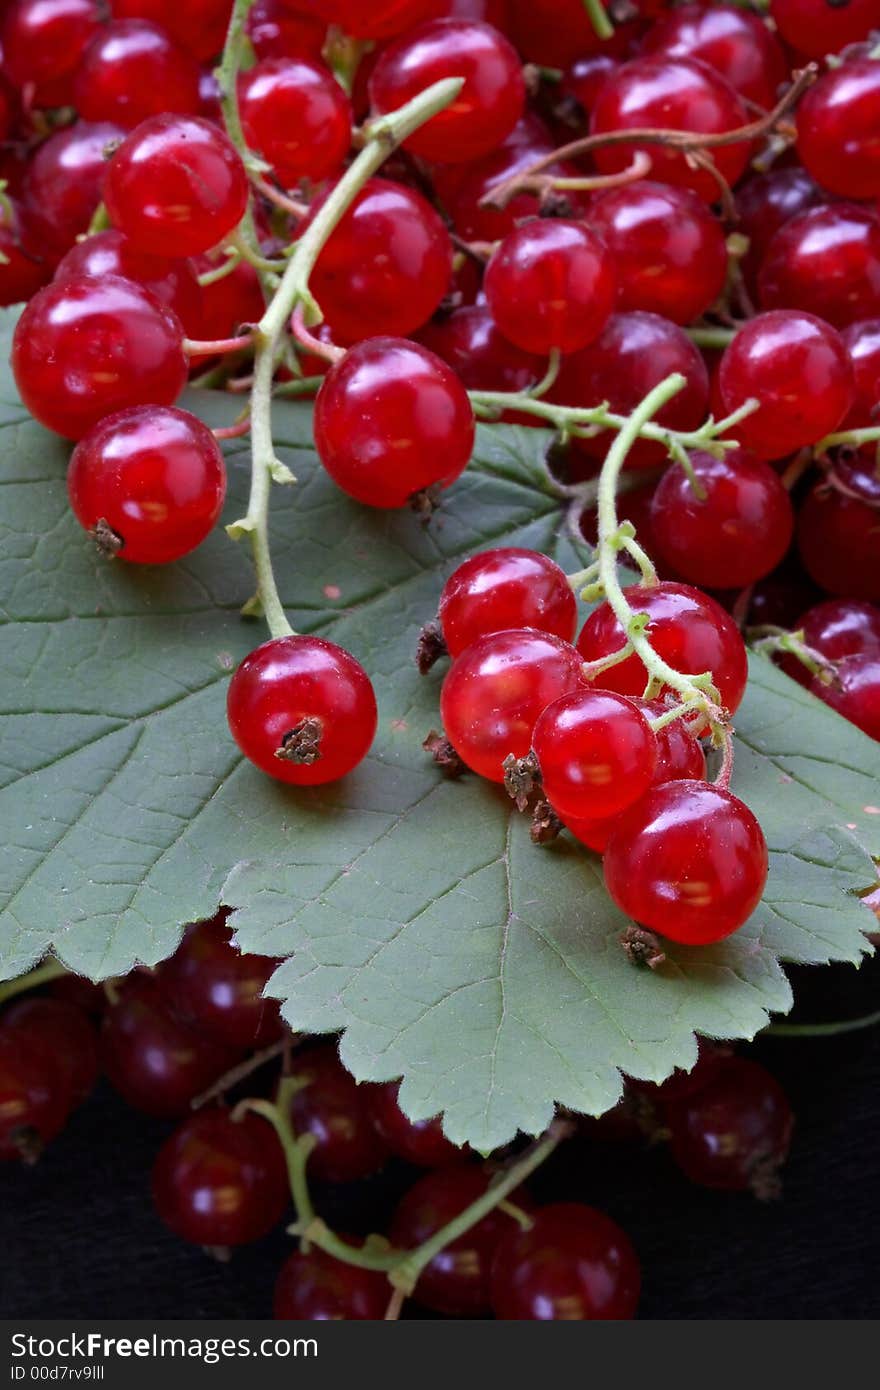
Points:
(667, 247)
(486, 109)
(688, 861)
(64, 1033)
(842, 627)
(549, 32)
(21, 273)
(391, 422)
(229, 303)
(386, 266)
(597, 753)
(83, 348)
(172, 282)
(734, 1131)
(219, 1181)
(736, 43)
(586, 77)
(297, 116)
(764, 203)
(199, 26)
(819, 27)
(335, 1111)
(132, 70)
(732, 535)
(854, 691)
(495, 691)
(154, 476)
(670, 94)
(302, 709)
(219, 989)
(156, 1062)
(34, 1097)
(837, 530)
(633, 354)
(505, 588)
(381, 19)
(572, 1264)
(481, 357)
(862, 342)
(796, 368)
(688, 629)
(317, 1287)
(551, 284)
(421, 1142)
(825, 261)
(63, 186)
(277, 31)
(176, 186)
(837, 123)
(43, 43)
(456, 1282)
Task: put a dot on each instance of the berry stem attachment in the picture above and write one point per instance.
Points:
(821, 1030)
(599, 19)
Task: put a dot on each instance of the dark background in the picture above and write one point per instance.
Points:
(79, 1238)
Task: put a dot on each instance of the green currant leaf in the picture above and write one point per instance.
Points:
(410, 912)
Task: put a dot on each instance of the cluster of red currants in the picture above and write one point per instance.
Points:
(683, 857)
(174, 1043)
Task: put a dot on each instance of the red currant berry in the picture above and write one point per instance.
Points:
(392, 421)
(862, 342)
(65, 1033)
(506, 588)
(732, 535)
(842, 627)
(86, 347)
(174, 283)
(386, 267)
(670, 94)
(818, 27)
(63, 186)
(855, 691)
(381, 19)
(220, 989)
(734, 42)
(572, 1264)
(199, 26)
(481, 357)
(486, 109)
(302, 709)
(229, 303)
(586, 77)
(43, 43)
(132, 70)
(837, 531)
(85, 996)
(335, 1111)
(21, 273)
(688, 861)
(689, 630)
(421, 1142)
(496, 690)
(825, 261)
(837, 123)
(494, 12)
(797, 369)
(633, 354)
(296, 115)
(151, 476)
(456, 1282)
(549, 32)
(176, 186)
(317, 1287)
(277, 31)
(597, 753)
(733, 1132)
(551, 284)
(156, 1062)
(764, 203)
(34, 1098)
(219, 1181)
(668, 249)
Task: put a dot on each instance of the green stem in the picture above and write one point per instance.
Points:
(599, 19)
(709, 337)
(42, 975)
(821, 1030)
(383, 136)
(771, 640)
(869, 435)
(220, 272)
(235, 52)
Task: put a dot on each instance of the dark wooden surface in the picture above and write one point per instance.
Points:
(79, 1238)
